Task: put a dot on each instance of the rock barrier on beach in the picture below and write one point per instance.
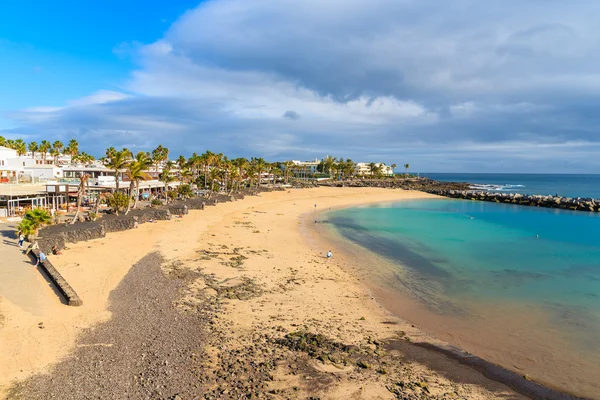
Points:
(565, 203)
(61, 234)
(56, 278)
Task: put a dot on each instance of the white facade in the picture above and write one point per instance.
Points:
(29, 167)
(306, 166)
(365, 169)
(5, 155)
(43, 172)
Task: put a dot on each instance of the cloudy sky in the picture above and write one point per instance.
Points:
(447, 86)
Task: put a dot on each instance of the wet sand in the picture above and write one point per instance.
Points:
(270, 315)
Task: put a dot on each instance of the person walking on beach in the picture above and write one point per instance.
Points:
(21, 239)
(329, 255)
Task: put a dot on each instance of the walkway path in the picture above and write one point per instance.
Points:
(21, 283)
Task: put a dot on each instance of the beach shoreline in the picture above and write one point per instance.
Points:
(457, 335)
(298, 286)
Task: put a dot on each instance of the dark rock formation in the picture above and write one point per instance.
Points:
(565, 203)
(56, 278)
(423, 184)
(178, 208)
(66, 233)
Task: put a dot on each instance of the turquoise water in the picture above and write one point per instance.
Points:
(462, 252)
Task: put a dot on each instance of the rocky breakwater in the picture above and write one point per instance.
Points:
(422, 184)
(565, 203)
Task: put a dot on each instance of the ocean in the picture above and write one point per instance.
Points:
(519, 286)
(566, 185)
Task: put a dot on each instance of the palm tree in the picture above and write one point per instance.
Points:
(118, 162)
(2, 141)
(406, 166)
(33, 220)
(372, 168)
(159, 155)
(166, 177)
(240, 166)
(181, 162)
(20, 146)
(349, 167)
(393, 168)
(185, 175)
(72, 148)
(33, 147)
(194, 163)
(207, 159)
(274, 171)
(328, 164)
(110, 152)
(83, 158)
(57, 147)
(287, 166)
(44, 148)
(136, 170)
(259, 165)
(83, 182)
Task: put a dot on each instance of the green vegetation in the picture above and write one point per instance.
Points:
(33, 220)
(118, 201)
(185, 191)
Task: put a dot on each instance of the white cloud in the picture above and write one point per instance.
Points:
(383, 78)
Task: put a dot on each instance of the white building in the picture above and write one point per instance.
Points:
(29, 167)
(306, 167)
(7, 171)
(364, 169)
(43, 172)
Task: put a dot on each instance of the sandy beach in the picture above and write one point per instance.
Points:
(242, 282)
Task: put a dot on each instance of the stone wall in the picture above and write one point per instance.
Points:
(61, 234)
(56, 278)
(178, 208)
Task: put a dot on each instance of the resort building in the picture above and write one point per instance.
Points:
(305, 167)
(7, 173)
(364, 169)
(30, 167)
(95, 172)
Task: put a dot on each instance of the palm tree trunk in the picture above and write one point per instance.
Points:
(137, 194)
(79, 196)
(97, 205)
(131, 187)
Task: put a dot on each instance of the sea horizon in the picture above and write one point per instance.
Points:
(564, 185)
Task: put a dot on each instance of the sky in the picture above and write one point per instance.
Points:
(446, 86)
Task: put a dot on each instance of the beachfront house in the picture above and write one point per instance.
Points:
(302, 169)
(364, 169)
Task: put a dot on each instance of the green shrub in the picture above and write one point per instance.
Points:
(117, 201)
(156, 202)
(33, 220)
(185, 191)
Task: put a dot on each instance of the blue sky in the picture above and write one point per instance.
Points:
(461, 86)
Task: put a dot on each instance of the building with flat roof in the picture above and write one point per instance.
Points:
(364, 169)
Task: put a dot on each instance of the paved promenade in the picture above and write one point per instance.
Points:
(21, 283)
